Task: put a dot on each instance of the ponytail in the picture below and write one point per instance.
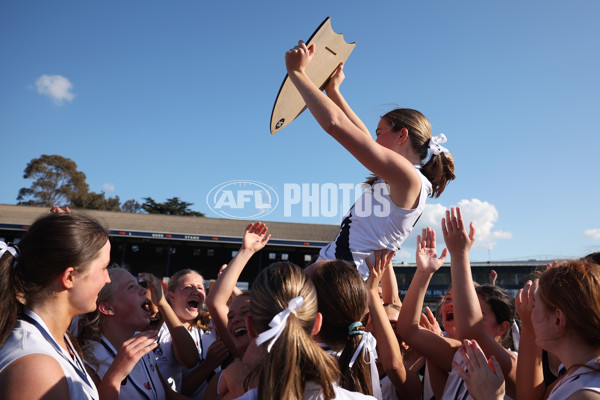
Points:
(343, 300)
(283, 297)
(439, 169)
(9, 306)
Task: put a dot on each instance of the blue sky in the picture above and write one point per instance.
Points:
(167, 99)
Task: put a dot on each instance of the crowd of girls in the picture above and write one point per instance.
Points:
(336, 330)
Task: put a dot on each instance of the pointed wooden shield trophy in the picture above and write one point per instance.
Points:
(331, 49)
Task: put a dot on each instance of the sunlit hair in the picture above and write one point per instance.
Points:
(503, 307)
(52, 244)
(439, 170)
(203, 320)
(343, 300)
(574, 288)
(294, 358)
(90, 324)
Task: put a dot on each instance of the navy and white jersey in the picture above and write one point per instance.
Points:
(142, 383)
(374, 223)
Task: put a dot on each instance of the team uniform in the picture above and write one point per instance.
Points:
(31, 336)
(142, 382)
(584, 378)
(374, 223)
(312, 391)
(168, 366)
(455, 388)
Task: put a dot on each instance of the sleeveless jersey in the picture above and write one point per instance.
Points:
(374, 223)
(583, 378)
(31, 336)
(168, 366)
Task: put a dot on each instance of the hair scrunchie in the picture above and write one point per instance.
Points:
(278, 322)
(435, 145)
(12, 249)
(353, 326)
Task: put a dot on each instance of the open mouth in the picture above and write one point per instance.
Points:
(193, 304)
(240, 332)
(147, 306)
(450, 316)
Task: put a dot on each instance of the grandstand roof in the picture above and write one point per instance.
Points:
(20, 217)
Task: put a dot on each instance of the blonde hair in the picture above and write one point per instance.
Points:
(90, 325)
(203, 319)
(294, 358)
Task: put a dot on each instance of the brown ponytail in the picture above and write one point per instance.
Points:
(439, 170)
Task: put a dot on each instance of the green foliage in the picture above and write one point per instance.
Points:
(56, 180)
(96, 201)
(131, 206)
(173, 206)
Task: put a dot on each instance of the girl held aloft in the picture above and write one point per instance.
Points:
(407, 162)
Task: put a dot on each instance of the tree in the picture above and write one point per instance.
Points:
(131, 206)
(173, 206)
(56, 180)
(96, 201)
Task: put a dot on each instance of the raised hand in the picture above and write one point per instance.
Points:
(455, 232)
(58, 210)
(427, 259)
(130, 352)
(336, 79)
(255, 237)
(383, 260)
(524, 302)
(483, 378)
(429, 322)
(155, 287)
(298, 58)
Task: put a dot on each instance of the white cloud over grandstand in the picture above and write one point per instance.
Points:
(56, 87)
(483, 214)
(108, 187)
(592, 233)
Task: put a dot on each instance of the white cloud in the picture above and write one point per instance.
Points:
(108, 187)
(483, 214)
(592, 233)
(402, 255)
(57, 87)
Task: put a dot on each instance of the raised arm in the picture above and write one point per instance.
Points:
(435, 348)
(530, 374)
(396, 170)
(468, 318)
(483, 378)
(255, 238)
(389, 286)
(388, 347)
(183, 346)
(333, 92)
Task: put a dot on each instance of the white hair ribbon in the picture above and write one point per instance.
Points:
(435, 145)
(11, 248)
(516, 335)
(278, 322)
(368, 343)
